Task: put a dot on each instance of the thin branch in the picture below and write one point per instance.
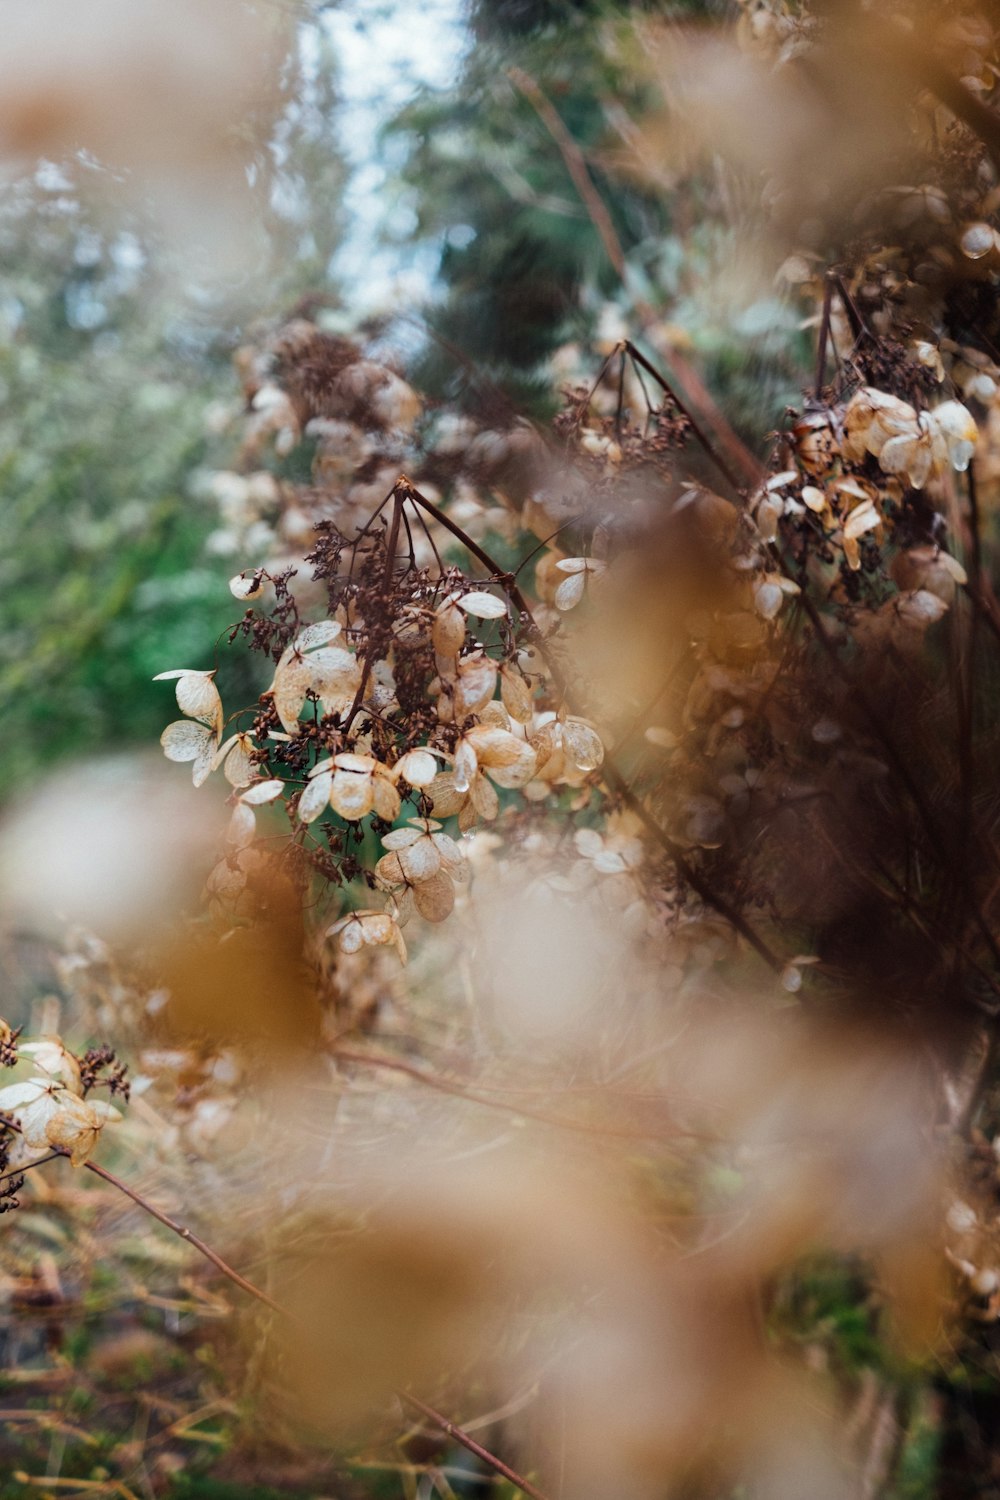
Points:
(462, 1437)
(720, 463)
(185, 1234)
(460, 1090)
(441, 1421)
(576, 165)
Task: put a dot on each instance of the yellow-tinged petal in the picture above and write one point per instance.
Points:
(352, 794)
(292, 680)
(386, 799)
(435, 898)
(448, 630)
(515, 694)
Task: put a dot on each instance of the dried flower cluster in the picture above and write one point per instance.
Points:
(49, 1110)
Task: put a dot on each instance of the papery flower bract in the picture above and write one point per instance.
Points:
(475, 685)
(507, 760)
(515, 694)
(50, 1114)
(905, 441)
(572, 589)
(353, 785)
(608, 854)
(187, 740)
(234, 757)
(417, 767)
(243, 823)
(483, 606)
(312, 664)
(51, 1058)
(368, 929)
(567, 749)
(247, 585)
(77, 1124)
(197, 695)
(956, 431)
(448, 630)
(425, 861)
(476, 800)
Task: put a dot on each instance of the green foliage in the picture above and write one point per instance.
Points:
(105, 388)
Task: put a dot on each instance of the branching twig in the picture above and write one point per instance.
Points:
(462, 1437)
(231, 1274)
(612, 775)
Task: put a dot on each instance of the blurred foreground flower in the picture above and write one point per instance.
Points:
(113, 845)
(161, 91)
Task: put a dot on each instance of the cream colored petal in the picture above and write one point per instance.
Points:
(401, 838)
(451, 855)
(494, 746)
(74, 1127)
(259, 793)
(184, 740)
(204, 763)
(238, 768)
(377, 928)
(347, 760)
(334, 672)
(417, 767)
(316, 797)
(484, 606)
(767, 600)
(517, 771)
(466, 765)
(352, 794)
(320, 634)
(389, 870)
(420, 861)
(242, 826)
(484, 801)
(247, 585)
(198, 697)
(862, 519)
(14, 1096)
(445, 797)
(570, 591)
(609, 862)
(589, 842)
(477, 680)
(352, 937)
(52, 1059)
(448, 630)
(515, 694)
(386, 799)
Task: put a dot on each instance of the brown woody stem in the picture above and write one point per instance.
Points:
(612, 774)
(441, 1421)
